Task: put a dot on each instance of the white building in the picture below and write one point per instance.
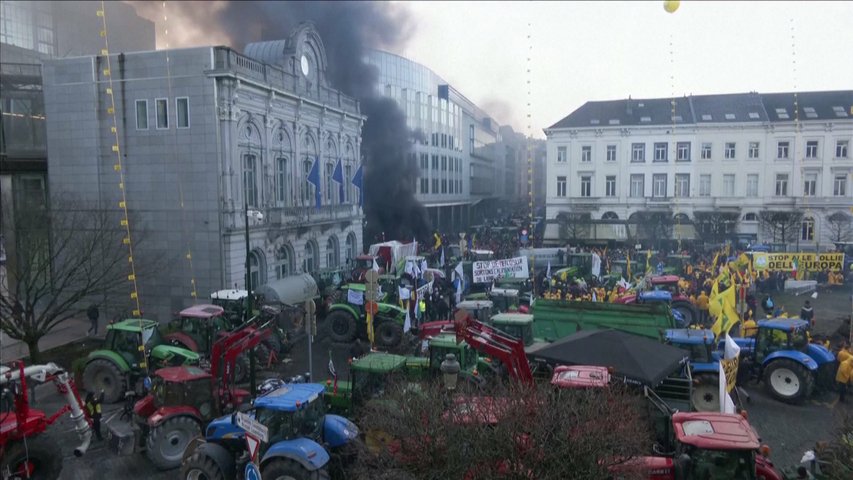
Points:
(738, 154)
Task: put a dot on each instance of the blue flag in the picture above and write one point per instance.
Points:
(338, 176)
(358, 180)
(314, 179)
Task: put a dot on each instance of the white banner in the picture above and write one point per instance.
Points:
(487, 271)
(422, 291)
(355, 297)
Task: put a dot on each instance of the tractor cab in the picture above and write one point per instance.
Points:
(518, 325)
(718, 446)
(676, 264)
(445, 343)
(581, 262)
(370, 374)
(363, 263)
(698, 343)
(481, 310)
(781, 335)
(126, 336)
(200, 324)
(234, 302)
(663, 296)
(185, 386)
(504, 299)
(667, 283)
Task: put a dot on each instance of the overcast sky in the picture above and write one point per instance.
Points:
(608, 50)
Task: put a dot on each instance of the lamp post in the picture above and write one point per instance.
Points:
(258, 216)
(450, 371)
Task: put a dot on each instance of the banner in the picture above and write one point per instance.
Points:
(423, 291)
(730, 362)
(487, 271)
(803, 262)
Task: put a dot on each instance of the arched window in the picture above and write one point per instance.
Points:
(282, 152)
(610, 216)
(352, 247)
(681, 218)
(309, 155)
(309, 262)
(332, 252)
(284, 258)
(331, 161)
(256, 269)
(807, 229)
(250, 146)
(750, 217)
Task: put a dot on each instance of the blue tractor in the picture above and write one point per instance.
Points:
(782, 356)
(704, 365)
(663, 296)
(300, 431)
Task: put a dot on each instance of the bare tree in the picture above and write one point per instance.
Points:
(715, 226)
(840, 227)
(66, 256)
(780, 226)
(653, 226)
(574, 226)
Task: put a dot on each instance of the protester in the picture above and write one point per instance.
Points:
(93, 408)
(807, 313)
(842, 378)
(702, 305)
(93, 314)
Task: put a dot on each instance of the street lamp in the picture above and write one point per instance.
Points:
(258, 216)
(450, 371)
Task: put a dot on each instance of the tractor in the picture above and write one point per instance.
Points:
(299, 432)
(704, 365)
(132, 347)
(669, 283)
(25, 452)
(347, 319)
(181, 402)
(363, 263)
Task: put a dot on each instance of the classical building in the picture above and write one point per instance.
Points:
(707, 164)
(206, 134)
(463, 174)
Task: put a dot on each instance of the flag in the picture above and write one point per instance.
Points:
(358, 181)
(723, 306)
(314, 179)
(648, 262)
(731, 358)
(548, 271)
(441, 260)
(375, 267)
(333, 372)
(407, 324)
(727, 405)
(596, 265)
(437, 241)
(338, 176)
(794, 267)
(629, 266)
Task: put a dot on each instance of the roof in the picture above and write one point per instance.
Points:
(658, 279)
(714, 431)
(379, 362)
(784, 323)
(512, 318)
(229, 295)
(690, 336)
(580, 376)
(656, 296)
(445, 340)
(505, 292)
(286, 398)
(181, 374)
(203, 311)
(474, 304)
(134, 324)
(712, 109)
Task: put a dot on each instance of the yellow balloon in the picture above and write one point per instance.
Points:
(671, 5)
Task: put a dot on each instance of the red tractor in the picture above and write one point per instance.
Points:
(24, 451)
(668, 283)
(181, 402)
(363, 263)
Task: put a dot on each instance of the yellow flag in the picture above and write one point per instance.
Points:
(723, 308)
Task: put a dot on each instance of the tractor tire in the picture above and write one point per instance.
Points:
(389, 334)
(208, 462)
(262, 355)
(342, 326)
(691, 314)
(275, 344)
(788, 381)
(241, 368)
(166, 442)
(706, 393)
(37, 460)
(281, 469)
(101, 374)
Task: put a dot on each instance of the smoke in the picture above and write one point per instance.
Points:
(348, 30)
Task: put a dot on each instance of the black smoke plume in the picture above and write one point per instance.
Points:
(348, 29)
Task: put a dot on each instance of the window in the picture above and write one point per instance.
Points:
(352, 247)
(750, 217)
(611, 153)
(752, 185)
(285, 262)
(659, 185)
(310, 260)
(730, 150)
(811, 149)
(610, 186)
(332, 252)
(435, 163)
(561, 186)
(781, 184)
(471, 137)
(162, 113)
(586, 154)
(443, 185)
(255, 269)
(281, 179)
(705, 185)
(660, 152)
(330, 183)
(839, 185)
(443, 163)
(182, 106)
(586, 186)
(841, 149)
(753, 149)
(729, 185)
(562, 155)
(682, 185)
(424, 163)
(810, 185)
(142, 114)
(434, 185)
(706, 151)
(638, 152)
(424, 185)
(638, 189)
(782, 149)
(250, 179)
(807, 229)
(682, 152)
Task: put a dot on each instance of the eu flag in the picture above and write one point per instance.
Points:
(314, 179)
(338, 176)
(358, 181)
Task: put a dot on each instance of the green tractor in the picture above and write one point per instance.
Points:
(123, 361)
(348, 320)
(368, 377)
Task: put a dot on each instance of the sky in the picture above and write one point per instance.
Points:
(583, 51)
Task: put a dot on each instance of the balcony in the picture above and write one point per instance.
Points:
(298, 217)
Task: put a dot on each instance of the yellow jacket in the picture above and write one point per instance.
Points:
(844, 371)
(843, 355)
(702, 301)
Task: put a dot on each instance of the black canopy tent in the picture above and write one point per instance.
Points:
(637, 359)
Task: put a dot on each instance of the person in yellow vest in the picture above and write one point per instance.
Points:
(749, 327)
(702, 305)
(844, 353)
(93, 408)
(842, 378)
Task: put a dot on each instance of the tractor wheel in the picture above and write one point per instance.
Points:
(788, 381)
(290, 470)
(37, 459)
(262, 355)
(101, 374)
(691, 315)
(166, 442)
(208, 462)
(274, 343)
(706, 393)
(389, 334)
(342, 326)
(241, 368)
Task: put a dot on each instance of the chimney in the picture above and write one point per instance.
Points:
(628, 108)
